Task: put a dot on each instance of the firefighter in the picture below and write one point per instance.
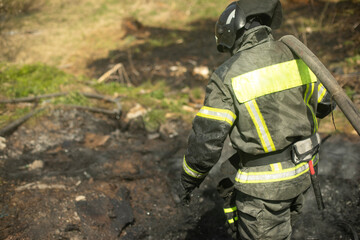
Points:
(267, 101)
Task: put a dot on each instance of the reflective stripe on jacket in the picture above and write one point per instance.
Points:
(280, 181)
(276, 174)
(265, 99)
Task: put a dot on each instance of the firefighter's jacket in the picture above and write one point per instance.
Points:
(265, 98)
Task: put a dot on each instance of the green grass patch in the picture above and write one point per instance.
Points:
(353, 61)
(34, 79)
(147, 94)
(197, 93)
(39, 79)
(349, 92)
(163, 41)
(156, 96)
(111, 88)
(13, 115)
(153, 119)
(73, 98)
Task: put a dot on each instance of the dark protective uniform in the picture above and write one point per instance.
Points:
(265, 99)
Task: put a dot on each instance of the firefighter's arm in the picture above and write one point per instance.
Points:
(211, 126)
(325, 104)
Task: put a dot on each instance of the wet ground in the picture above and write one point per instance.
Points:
(75, 175)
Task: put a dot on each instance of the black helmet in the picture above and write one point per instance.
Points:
(238, 13)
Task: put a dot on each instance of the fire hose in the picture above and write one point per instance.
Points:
(325, 77)
(342, 100)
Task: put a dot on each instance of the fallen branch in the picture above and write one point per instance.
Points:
(39, 186)
(53, 95)
(106, 75)
(99, 97)
(113, 113)
(32, 99)
(118, 68)
(104, 98)
(14, 125)
(133, 69)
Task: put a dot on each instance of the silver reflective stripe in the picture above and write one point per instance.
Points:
(272, 176)
(261, 127)
(217, 114)
(321, 92)
(276, 166)
(191, 172)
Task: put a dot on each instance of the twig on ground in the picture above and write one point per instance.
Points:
(118, 109)
(33, 99)
(106, 75)
(99, 97)
(122, 74)
(323, 13)
(133, 69)
(7, 130)
(95, 110)
(14, 125)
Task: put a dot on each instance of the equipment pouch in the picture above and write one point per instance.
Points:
(305, 150)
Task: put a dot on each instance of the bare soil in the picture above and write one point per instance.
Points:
(76, 175)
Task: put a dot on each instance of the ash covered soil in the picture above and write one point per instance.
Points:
(76, 175)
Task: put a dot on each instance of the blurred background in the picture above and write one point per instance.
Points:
(154, 41)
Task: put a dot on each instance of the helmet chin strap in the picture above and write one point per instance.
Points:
(237, 44)
(253, 22)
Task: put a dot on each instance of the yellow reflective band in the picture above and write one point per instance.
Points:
(191, 172)
(229, 210)
(274, 175)
(233, 220)
(272, 79)
(260, 125)
(306, 100)
(217, 114)
(321, 92)
(311, 93)
(306, 92)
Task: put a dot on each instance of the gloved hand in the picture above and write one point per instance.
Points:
(232, 229)
(184, 195)
(226, 191)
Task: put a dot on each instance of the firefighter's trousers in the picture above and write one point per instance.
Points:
(266, 219)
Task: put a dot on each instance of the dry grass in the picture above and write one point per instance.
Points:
(68, 34)
(64, 33)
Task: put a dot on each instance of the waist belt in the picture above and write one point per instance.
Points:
(249, 160)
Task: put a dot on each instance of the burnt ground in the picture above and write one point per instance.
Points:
(75, 175)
